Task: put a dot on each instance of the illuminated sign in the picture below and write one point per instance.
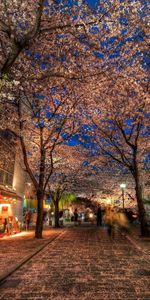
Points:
(4, 209)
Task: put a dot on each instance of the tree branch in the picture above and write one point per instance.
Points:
(23, 146)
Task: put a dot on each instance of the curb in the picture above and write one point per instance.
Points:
(135, 244)
(138, 248)
(27, 258)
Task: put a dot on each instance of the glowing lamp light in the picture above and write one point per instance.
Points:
(123, 185)
(108, 201)
(90, 215)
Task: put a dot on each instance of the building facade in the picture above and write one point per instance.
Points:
(12, 182)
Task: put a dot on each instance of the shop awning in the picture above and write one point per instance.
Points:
(9, 193)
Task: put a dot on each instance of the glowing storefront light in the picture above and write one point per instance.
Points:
(3, 211)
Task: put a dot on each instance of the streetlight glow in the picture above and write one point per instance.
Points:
(123, 185)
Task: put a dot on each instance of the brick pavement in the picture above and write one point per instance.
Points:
(82, 264)
(15, 248)
(142, 242)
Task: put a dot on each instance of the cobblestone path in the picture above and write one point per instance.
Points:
(14, 249)
(82, 264)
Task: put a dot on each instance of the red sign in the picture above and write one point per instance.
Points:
(4, 209)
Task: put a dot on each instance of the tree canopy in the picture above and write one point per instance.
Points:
(75, 74)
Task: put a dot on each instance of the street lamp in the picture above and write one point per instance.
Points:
(123, 186)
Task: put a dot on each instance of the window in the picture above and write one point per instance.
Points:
(6, 178)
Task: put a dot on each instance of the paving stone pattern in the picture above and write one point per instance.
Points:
(14, 249)
(82, 264)
(142, 242)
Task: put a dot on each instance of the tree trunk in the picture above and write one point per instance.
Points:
(14, 53)
(39, 222)
(56, 203)
(40, 189)
(142, 213)
(17, 47)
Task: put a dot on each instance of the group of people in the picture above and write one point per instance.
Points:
(11, 225)
(113, 219)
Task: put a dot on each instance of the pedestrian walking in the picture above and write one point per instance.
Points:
(99, 216)
(34, 218)
(75, 217)
(5, 225)
(122, 221)
(10, 225)
(27, 219)
(109, 220)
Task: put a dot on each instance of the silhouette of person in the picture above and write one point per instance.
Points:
(109, 219)
(76, 216)
(27, 219)
(99, 216)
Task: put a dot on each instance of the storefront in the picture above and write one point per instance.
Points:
(10, 212)
(30, 204)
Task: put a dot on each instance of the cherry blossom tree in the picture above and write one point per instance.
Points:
(67, 163)
(46, 38)
(46, 44)
(61, 199)
(43, 123)
(121, 132)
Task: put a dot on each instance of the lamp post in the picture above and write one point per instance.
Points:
(123, 186)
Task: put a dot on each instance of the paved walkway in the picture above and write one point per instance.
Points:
(142, 242)
(82, 264)
(15, 248)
